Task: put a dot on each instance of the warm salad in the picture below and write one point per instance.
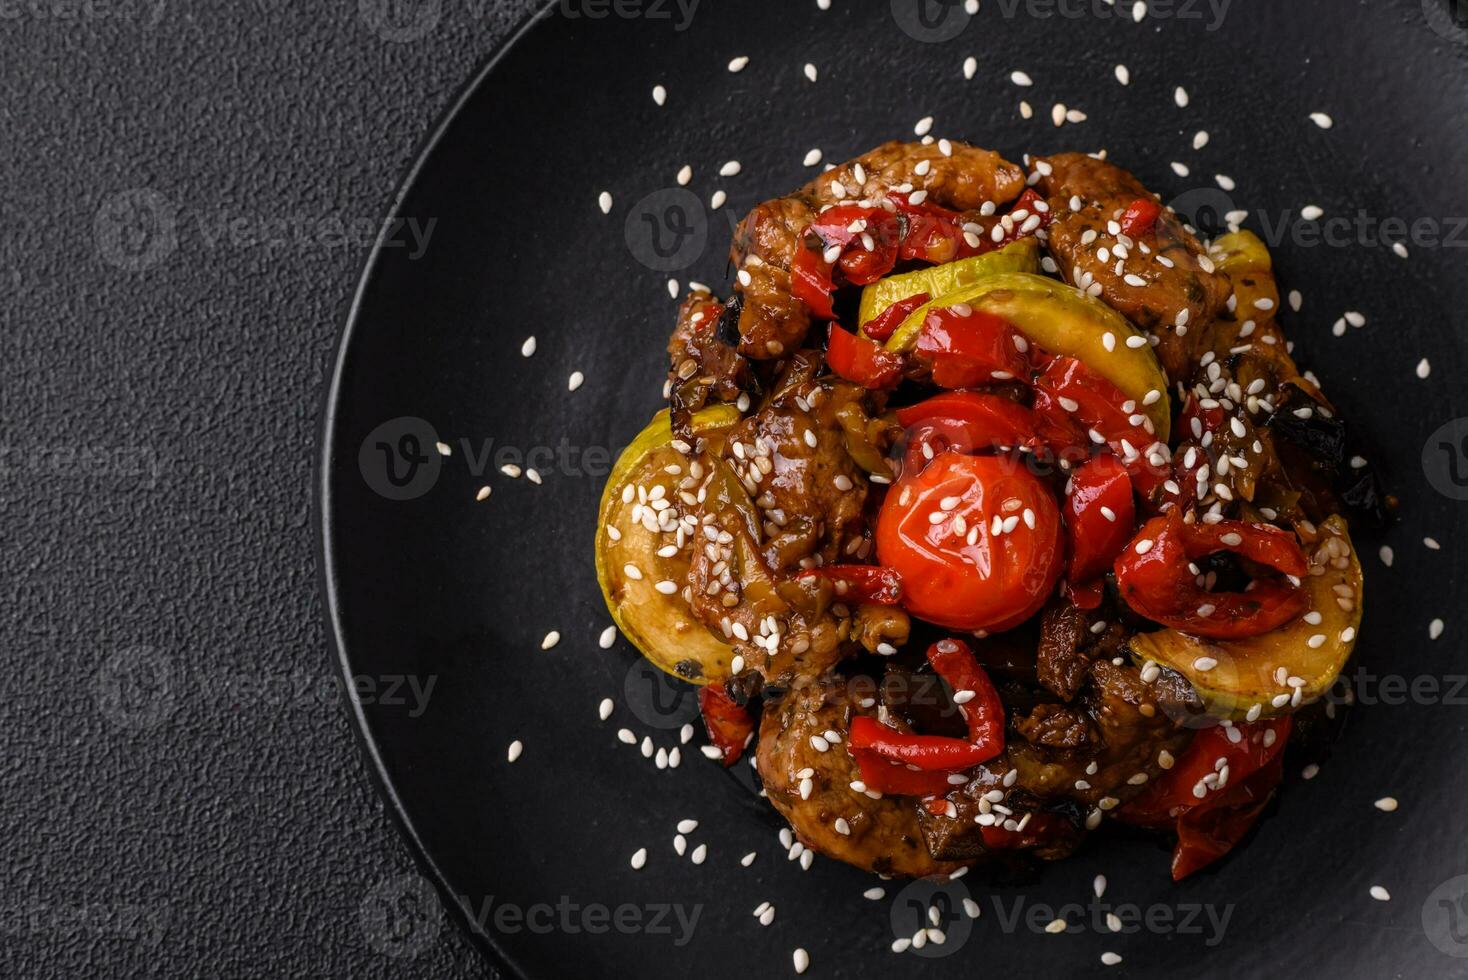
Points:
(991, 506)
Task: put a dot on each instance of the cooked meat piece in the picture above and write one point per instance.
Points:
(883, 833)
(773, 323)
(880, 629)
(1164, 283)
(1067, 646)
(1056, 726)
(703, 364)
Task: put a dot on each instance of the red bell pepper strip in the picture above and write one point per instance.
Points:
(1140, 216)
(968, 347)
(1209, 825)
(811, 282)
(982, 710)
(1069, 393)
(1099, 517)
(861, 361)
(861, 583)
(728, 722)
(896, 779)
(885, 323)
(1042, 828)
(965, 421)
(869, 239)
(1153, 577)
(1030, 204)
(935, 234)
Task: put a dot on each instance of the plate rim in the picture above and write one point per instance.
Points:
(337, 647)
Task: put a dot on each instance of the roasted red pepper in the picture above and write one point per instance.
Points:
(883, 324)
(1153, 577)
(967, 347)
(894, 778)
(811, 282)
(861, 361)
(1041, 829)
(1099, 516)
(1030, 205)
(728, 722)
(1067, 393)
(1140, 216)
(935, 234)
(981, 708)
(965, 421)
(1235, 780)
(868, 238)
(861, 583)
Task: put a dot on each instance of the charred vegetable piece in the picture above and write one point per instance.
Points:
(1021, 256)
(1099, 513)
(1280, 669)
(1061, 320)
(629, 567)
(728, 722)
(861, 361)
(870, 584)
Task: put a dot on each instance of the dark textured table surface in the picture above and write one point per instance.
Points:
(188, 194)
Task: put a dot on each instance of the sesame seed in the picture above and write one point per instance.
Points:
(1181, 169)
(1386, 804)
(1311, 212)
(700, 854)
(1434, 629)
(1380, 894)
(1057, 114)
(551, 639)
(1021, 79)
(576, 380)
(731, 169)
(810, 71)
(1432, 544)
(748, 859)
(1139, 11)
(1200, 139)
(970, 67)
(737, 65)
(1322, 120)
(1423, 368)
(924, 126)
(533, 475)
(1180, 96)
(1099, 885)
(608, 637)
(801, 959)
(1400, 249)
(516, 747)
(1055, 926)
(1310, 771)
(604, 201)
(604, 710)
(1025, 110)
(528, 347)
(874, 894)
(1386, 555)
(1142, 547)
(1123, 74)
(639, 858)
(718, 199)
(483, 493)
(1110, 959)
(1205, 663)
(812, 158)
(684, 175)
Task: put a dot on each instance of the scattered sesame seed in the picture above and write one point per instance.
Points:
(924, 126)
(516, 747)
(1181, 169)
(483, 493)
(810, 71)
(1200, 139)
(533, 475)
(970, 67)
(1224, 181)
(1431, 544)
(605, 709)
(1180, 96)
(1380, 894)
(639, 858)
(812, 158)
(1139, 11)
(1424, 368)
(1021, 79)
(1311, 212)
(737, 65)
(1099, 885)
(1055, 926)
(1386, 555)
(604, 201)
(551, 639)
(717, 201)
(1310, 771)
(1110, 959)
(731, 169)
(1025, 110)
(528, 347)
(1123, 74)
(1434, 629)
(575, 380)
(1386, 804)
(801, 959)
(1322, 120)
(1400, 249)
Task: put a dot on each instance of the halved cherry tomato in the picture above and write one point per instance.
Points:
(967, 347)
(1099, 515)
(861, 361)
(728, 722)
(976, 540)
(1153, 577)
(861, 583)
(884, 323)
(1140, 216)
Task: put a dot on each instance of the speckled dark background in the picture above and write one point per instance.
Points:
(180, 794)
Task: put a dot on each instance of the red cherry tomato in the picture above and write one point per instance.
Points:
(957, 571)
(1099, 514)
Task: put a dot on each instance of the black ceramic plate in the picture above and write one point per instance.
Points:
(424, 582)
